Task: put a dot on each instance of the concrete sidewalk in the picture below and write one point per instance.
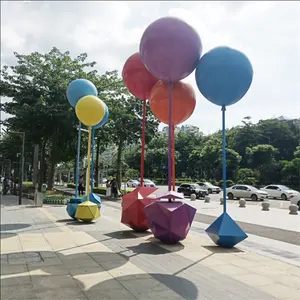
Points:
(276, 218)
(56, 258)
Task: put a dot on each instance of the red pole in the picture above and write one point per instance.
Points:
(143, 142)
(173, 156)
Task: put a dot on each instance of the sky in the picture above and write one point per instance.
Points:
(267, 32)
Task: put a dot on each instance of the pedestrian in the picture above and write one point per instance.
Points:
(114, 188)
(80, 187)
(6, 186)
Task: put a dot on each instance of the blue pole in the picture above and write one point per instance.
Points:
(224, 156)
(78, 159)
(92, 163)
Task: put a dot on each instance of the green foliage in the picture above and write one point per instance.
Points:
(250, 160)
(229, 183)
(247, 176)
(56, 200)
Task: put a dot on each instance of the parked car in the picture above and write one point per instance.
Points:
(246, 191)
(192, 188)
(209, 187)
(132, 183)
(277, 191)
(295, 199)
(147, 182)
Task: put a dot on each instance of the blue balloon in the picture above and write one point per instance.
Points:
(80, 88)
(224, 75)
(104, 120)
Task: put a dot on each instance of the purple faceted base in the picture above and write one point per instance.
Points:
(170, 222)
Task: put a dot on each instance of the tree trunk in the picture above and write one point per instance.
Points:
(119, 164)
(52, 166)
(97, 162)
(41, 172)
(74, 169)
(51, 175)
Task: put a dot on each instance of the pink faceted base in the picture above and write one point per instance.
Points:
(133, 205)
(170, 222)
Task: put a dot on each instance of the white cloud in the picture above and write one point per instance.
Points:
(267, 32)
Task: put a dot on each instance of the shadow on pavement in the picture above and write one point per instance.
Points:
(148, 248)
(7, 235)
(17, 226)
(152, 285)
(126, 234)
(50, 262)
(218, 249)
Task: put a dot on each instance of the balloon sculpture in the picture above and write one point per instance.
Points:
(170, 50)
(139, 81)
(90, 111)
(184, 102)
(223, 76)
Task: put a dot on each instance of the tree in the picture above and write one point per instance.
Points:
(37, 85)
(247, 176)
(125, 123)
(263, 159)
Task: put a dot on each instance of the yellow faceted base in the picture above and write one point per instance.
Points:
(87, 212)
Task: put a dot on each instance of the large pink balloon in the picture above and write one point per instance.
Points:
(170, 49)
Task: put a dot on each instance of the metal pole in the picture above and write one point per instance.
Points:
(92, 163)
(21, 176)
(143, 143)
(224, 157)
(170, 140)
(78, 159)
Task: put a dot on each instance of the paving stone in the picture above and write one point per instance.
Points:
(13, 269)
(16, 279)
(53, 282)
(73, 293)
(24, 292)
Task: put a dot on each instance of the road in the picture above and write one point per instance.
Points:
(216, 198)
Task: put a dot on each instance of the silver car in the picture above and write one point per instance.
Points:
(132, 183)
(210, 188)
(245, 191)
(148, 182)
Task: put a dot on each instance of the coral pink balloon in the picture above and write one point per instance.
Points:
(138, 80)
(183, 99)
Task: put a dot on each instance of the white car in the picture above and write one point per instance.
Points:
(279, 191)
(246, 191)
(210, 188)
(132, 183)
(295, 199)
(148, 182)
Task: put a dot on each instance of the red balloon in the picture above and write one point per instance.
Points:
(183, 102)
(138, 80)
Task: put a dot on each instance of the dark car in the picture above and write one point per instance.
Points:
(191, 188)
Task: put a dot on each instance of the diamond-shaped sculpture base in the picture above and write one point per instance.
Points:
(95, 199)
(87, 212)
(170, 222)
(72, 207)
(225, 233)
(133, 205)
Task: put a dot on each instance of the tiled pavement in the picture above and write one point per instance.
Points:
(53, 258)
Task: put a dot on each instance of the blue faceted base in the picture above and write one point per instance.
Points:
(225, 233)
(72, 207)
(95, 199)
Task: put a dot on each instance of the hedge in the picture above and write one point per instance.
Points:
(97, 190)
(56, 199)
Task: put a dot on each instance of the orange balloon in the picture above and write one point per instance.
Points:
(183, 102)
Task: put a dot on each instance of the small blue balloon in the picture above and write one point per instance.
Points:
(224, 75)
(104, 120)
(80, 88)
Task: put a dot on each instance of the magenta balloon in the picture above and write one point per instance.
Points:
(170, 49)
